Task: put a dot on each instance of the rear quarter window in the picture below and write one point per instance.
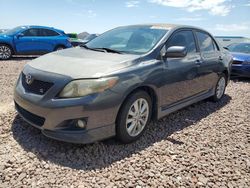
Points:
(48, 33)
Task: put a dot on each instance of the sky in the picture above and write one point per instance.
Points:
(220, 17)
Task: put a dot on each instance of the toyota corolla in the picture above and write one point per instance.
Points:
(121, 80)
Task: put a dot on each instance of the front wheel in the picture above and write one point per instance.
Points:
(220, 88)
(5, 52)
(134, 117)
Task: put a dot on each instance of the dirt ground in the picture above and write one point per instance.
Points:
(204, 145)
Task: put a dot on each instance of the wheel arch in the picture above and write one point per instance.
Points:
(151, 92)
(227, 75)
(9, 45)
(59, 45)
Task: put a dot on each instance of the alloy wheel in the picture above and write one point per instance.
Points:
(220, 87)
(137, 117)
(5, 52)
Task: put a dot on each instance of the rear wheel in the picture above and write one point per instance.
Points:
(134, 117)
(5, 52)
(220, 88)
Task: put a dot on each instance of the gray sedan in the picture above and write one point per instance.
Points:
(121, 80)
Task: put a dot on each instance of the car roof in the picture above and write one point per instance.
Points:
(168, 26)
(39, 26)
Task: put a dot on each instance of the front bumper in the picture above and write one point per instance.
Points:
(240, 70)
(49, 121)
(51, 115)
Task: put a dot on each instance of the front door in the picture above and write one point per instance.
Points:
(181, 77)
(28, 41)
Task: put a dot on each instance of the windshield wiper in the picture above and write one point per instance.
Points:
(101, 49)
(108, 50)
(84, 46)
(94, 49)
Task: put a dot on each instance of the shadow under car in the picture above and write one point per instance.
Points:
(101, 154)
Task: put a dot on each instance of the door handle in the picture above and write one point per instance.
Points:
(220, 58)
(198, 62)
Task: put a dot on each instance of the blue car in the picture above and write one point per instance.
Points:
(241, 59)
(32, 40)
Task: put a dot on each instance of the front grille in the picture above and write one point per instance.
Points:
(35, 119)
(36, 86)
(237, 62)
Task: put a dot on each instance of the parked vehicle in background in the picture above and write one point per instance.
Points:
(72, 35)
(32, 40)
(89, 38)
(78, 42)
(241, 59)
(119, 81)
(228, 40)
(74, 40)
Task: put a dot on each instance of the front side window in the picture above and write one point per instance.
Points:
(183, 38)
(131, 39)
(206, 43)
(31, 32)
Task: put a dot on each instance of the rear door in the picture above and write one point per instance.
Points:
(48, 40)
(210, 59)
(181, 77)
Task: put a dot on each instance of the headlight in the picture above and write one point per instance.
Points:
(79, 88)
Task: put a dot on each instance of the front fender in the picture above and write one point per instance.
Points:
(141, 75)
(8, 41)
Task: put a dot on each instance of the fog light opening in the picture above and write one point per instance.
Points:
(81, 123)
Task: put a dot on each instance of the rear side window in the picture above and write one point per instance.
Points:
(31, 32)
(206, 43)
(183, 38)
(48, 33)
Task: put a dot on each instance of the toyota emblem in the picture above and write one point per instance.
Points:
(28, 79)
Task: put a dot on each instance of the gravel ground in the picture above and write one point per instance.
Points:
(9, 71)
(204, 145)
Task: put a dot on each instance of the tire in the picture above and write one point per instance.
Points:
(130, 123)
(220, 88)
(5, 52)
(59, 48)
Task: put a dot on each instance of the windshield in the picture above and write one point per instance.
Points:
(131, 39)
(14, 30)
(242, 48)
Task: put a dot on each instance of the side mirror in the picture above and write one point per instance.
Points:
(176, 52)
(19, 35)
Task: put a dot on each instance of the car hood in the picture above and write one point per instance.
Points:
(3, 36)
(82, 63)
(241, 56)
